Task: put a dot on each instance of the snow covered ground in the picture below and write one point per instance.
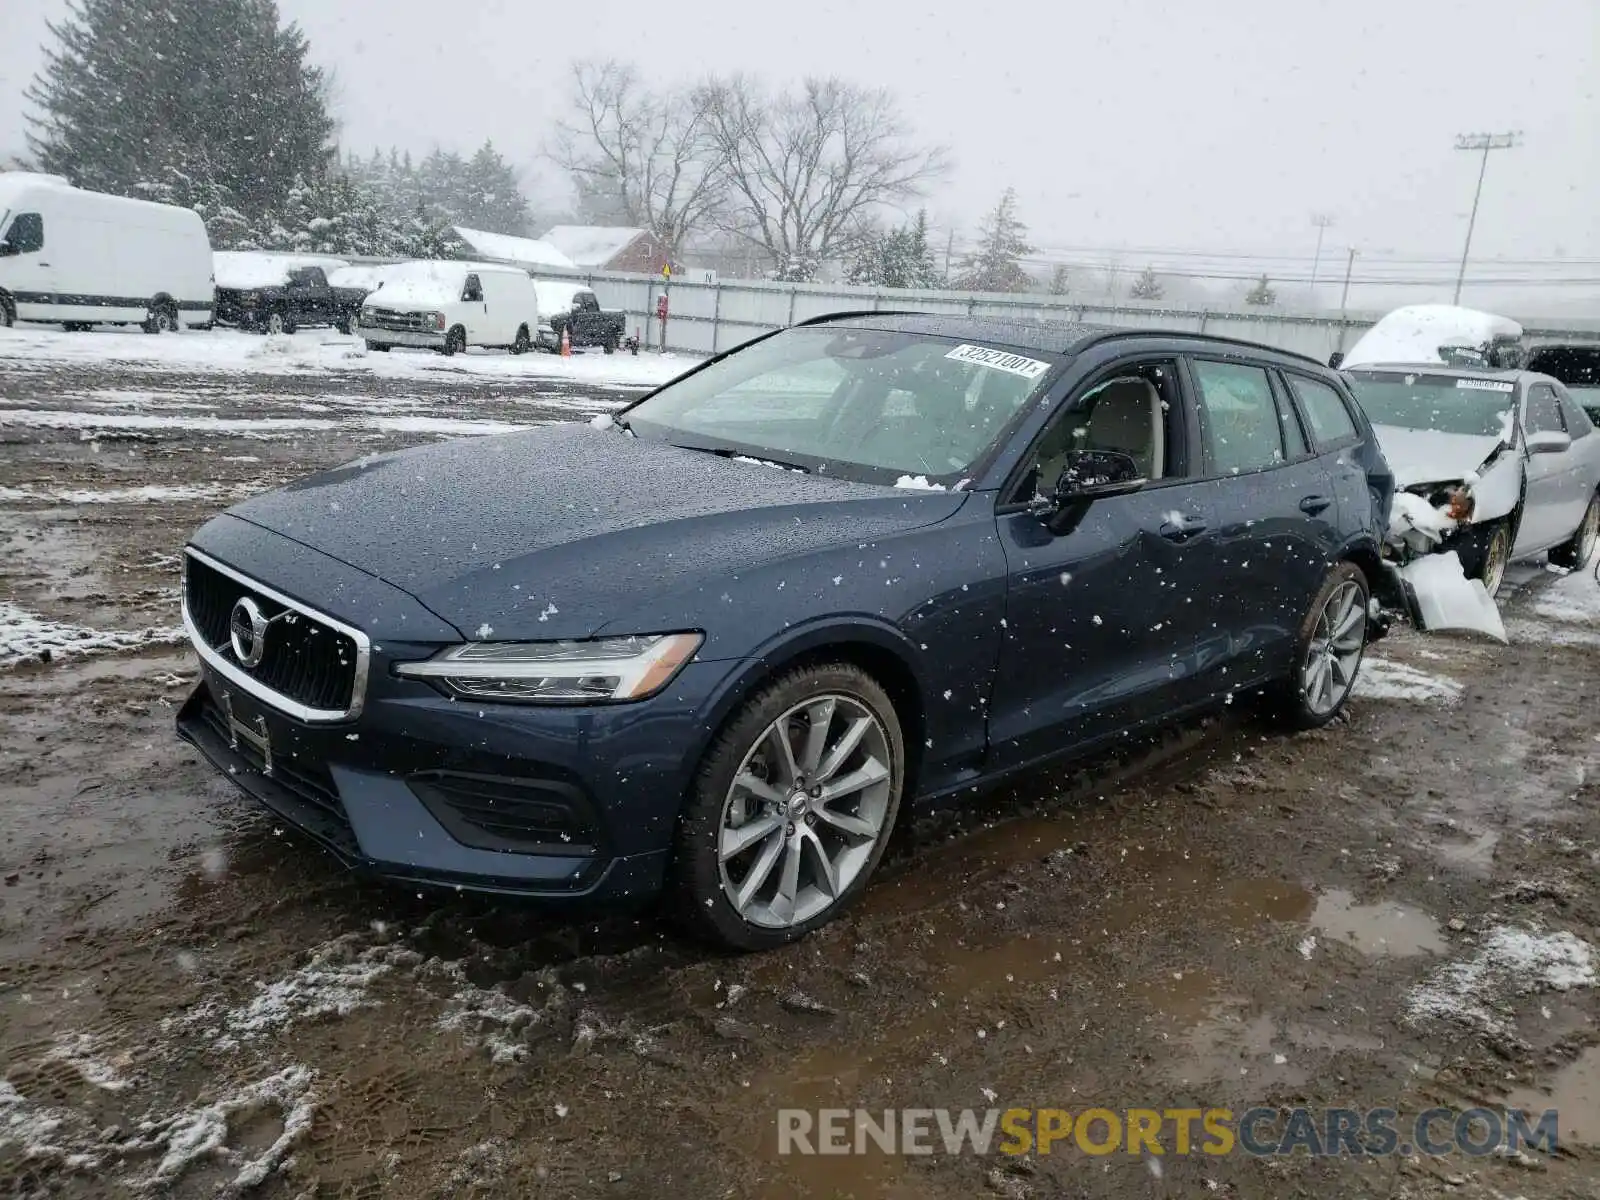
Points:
(320, 350)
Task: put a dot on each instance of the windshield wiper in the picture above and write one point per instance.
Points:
(765, 460)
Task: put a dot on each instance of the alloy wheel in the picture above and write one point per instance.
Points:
(1496, 555)
(275, 323)
(1334, 653)
(805, 811)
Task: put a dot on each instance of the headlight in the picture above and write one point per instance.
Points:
(365, 316)
(608, 669)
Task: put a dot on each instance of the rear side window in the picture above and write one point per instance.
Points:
(1238, 417)
(26, 235)
(1330, 421)
(1544, 412)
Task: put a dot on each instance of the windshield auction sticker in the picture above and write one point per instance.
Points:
(1000, 360)
(1486, 385)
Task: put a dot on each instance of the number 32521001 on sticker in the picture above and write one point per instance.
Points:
(1000, 360)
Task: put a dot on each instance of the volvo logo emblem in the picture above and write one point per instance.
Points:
(247, 632)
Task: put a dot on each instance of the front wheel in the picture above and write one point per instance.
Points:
(343, 326)
(162, 318)
(1495, 556)
(455, 342)
(1577, 551)
(791, 809)
(1328, 651)
(276, 322)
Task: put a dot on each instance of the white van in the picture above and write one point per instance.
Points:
(448, 306)
(86, 258)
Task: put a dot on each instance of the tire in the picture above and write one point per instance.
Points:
(162, 318)
(277, 322)
(8, 314)
(1300, 701)
(791, 830)
(1577, 551)
(76, 326)
(343, 326)
(379, 347)
(523, 341)
(611, 345)
(455, 342)
(1492, 556)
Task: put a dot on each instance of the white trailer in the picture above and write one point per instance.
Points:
(85, 258)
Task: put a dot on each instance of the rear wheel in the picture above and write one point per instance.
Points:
(8, 314)
(1328, 651)
(343, 325)
(277, 322)
(161, 318)
(522, 342)
(1580, 549)
(791, 809)
(611, 345)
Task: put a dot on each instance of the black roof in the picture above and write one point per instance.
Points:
(1025, 333)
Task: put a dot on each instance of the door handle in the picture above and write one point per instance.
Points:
(1180, 527)
(1314, 504)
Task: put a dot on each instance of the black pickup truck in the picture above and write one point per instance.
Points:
(586, 323)
(304, 297)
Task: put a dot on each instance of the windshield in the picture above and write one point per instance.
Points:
(1442, 403)
(855, 403)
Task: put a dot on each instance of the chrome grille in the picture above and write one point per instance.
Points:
(312, 667)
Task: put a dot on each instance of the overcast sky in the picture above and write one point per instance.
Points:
(1218, 126)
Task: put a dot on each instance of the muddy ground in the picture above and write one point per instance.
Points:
(1396, 911)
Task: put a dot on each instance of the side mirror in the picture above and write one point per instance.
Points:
(1091, 474)
(1551, 441)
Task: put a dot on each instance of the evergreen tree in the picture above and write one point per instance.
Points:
(898, 258)
(995, 265)
(1262, 294)
(1147, 286)
(135, 90)
(1059, 281)
(490, 198)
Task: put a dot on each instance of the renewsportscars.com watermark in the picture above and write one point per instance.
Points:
(1262, 1132)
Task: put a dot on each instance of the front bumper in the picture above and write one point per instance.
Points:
(418, 338)
(559, 803)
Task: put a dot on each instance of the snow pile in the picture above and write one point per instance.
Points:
(918, 483)
(38, 1133)
(225, 350)
(1574, 598)
(80, 1052)
(334, 982)
(25, 637)
(255, 428)
(1412, 515)
(489, 1018)
(1509, 962)
(1385, 679)
(201, 1134)
(153, 493)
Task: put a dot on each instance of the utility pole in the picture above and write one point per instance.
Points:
(1484, 142)
(1344, 297)
(1321, 221)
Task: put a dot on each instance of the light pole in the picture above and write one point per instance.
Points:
(1484, 142)
(1321, 221)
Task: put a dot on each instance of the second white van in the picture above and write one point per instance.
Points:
(85, 258)
(449, 306)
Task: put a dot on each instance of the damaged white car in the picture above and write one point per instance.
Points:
(1491, 465)
(1492, 462)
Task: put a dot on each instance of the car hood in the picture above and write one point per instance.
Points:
(554, 532)
(1426, 456)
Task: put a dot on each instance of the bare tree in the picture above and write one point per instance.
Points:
(645, 157)
(806, 171)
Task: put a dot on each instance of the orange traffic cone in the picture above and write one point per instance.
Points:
(566, 343)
